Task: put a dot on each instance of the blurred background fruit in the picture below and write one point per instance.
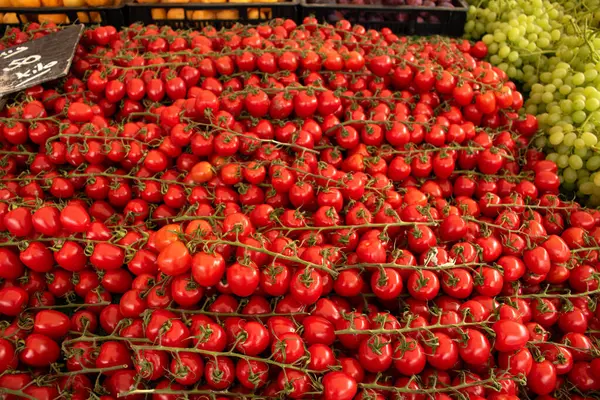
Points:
(62, 3)
(211, 14)
(27, 11)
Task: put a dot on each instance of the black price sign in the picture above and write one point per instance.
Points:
(38, 61)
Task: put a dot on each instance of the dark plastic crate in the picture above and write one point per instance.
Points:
(200, 15)
(403, 19)
(109, 15)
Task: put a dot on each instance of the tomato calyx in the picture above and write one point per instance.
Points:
(376, 343)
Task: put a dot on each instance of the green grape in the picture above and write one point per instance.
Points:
(562, 161)
(488, 39)
(504, 51)
(513, 56)
(547, 97)
(532, 109)
(589, 139)
(479, 27)
(540, 141)
(563, 149)
(553, 119)
(495, 59)
(554, 108)
(569, 175)
(575, 162)
(546, 77)
(579, 116)
(552, 157)
(559, 73)
(592, 104)
(513, 33)
(566, 106)
(493, 48)
(583, 153)
(523, 43)
(499, 36)
(578, 79)
(595, 93)
(590, 75)
(590, 91)
(586, 188)
(531, 47)
(596, 179)
(543, 43)
(566, 54)
(569, 139)
(579, 143)
(593, 163)
(583, 175)
(537, 88)
(556, 129)
(578, 105)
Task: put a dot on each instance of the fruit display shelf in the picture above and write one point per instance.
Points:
(102, 12)
(219, 14)
(409, 17)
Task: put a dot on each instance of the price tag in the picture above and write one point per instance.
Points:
(38, 61)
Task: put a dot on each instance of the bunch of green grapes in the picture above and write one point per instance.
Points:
(567, 103)
(566, 99)
(520, 34)
(553, 49)
(583, 10)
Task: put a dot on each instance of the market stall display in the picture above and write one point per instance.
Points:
(297, 211)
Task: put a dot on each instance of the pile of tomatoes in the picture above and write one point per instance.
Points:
(287, 212)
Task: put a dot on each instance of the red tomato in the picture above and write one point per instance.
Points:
(409, 357)
(53, 324)
(510, 335)
(39, 351)
(13, 300)
(445, 355)
(339, 386)
(541, 379)
(174, 259)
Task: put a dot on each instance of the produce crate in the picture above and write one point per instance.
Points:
(220, 15)
(403, 19)
(106, 15)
